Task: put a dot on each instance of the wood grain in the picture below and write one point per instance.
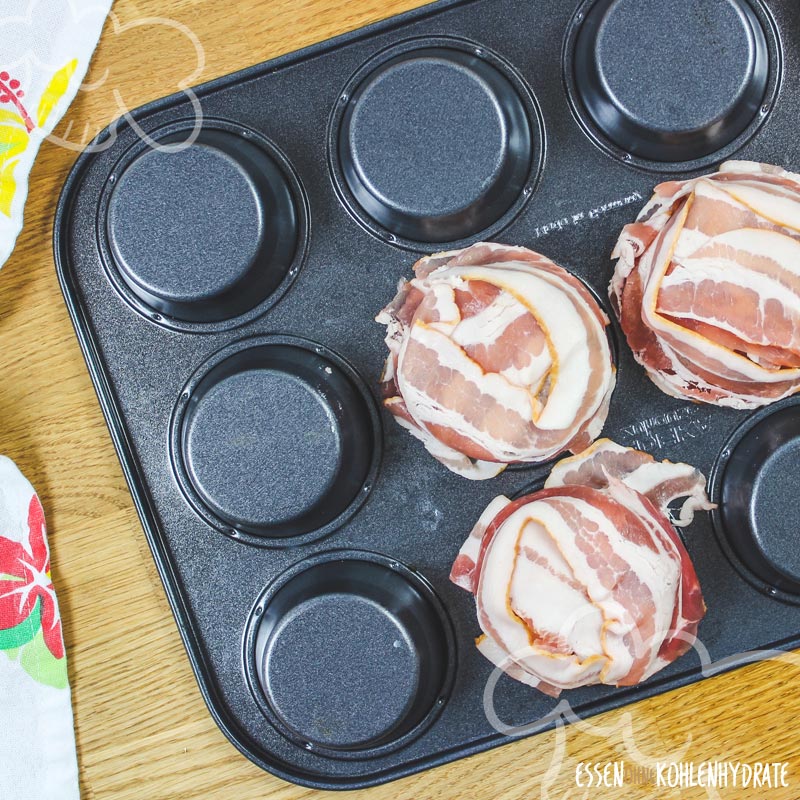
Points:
(142, 728)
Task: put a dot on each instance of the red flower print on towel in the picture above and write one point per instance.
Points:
(11, 93)
(25, 579)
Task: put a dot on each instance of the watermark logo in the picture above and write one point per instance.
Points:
(684, 775)
(666, 771)
(50, 41)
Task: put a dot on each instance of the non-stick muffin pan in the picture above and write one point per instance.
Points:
(224, 284)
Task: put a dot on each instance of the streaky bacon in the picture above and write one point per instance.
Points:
(661, 482)
(587, 581)
(496, 356)
(707, 286)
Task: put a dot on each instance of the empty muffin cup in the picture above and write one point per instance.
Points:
(669, 80)
(756, 484)
(350, 654)
(434, 140)
(276, 440)
(203, 232)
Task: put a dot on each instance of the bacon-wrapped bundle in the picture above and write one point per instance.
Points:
(496, 356)
(707, 286)
(587, 580)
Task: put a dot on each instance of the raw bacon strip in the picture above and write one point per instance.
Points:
(586, 581)
(496, 356)
(707, 286)
(661, 482)
(463, 573)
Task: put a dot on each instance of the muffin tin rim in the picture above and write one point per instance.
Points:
(179, 470)
(527, 97)
(603, 143)
(410, 575)
(716, 478)
(140, 146)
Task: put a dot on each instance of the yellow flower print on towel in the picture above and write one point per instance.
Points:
(16, 124)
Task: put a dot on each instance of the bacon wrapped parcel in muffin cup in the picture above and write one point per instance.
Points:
(496, 356)
(707, 286)
(587, 580)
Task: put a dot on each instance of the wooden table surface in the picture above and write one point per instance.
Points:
(142, 728)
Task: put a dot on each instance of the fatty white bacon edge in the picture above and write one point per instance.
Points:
(707, 285)
(496, 356)
(586, 581)
(661, 482)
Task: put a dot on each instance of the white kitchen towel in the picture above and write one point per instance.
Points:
(37, 739)
(45, 48)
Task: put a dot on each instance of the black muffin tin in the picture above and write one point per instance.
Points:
(305, 539)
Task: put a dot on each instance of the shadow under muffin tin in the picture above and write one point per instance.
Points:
(224, 283)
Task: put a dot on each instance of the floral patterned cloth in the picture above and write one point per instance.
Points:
(45, 47)
(37, 744)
